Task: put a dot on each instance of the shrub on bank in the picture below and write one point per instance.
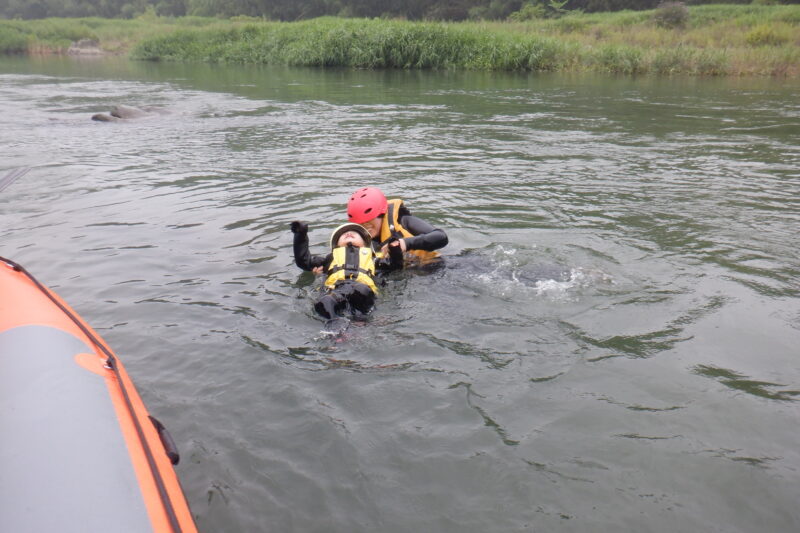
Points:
(361, 44)
(46, 34)
(12, 40)
(672, 61)
(715, 40)
(671, 15)
(619, 59)
(766, 35)
(711, 63)
(55, 35)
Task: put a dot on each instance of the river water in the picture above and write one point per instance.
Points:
(612, 345)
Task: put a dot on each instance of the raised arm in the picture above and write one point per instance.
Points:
(302, 257)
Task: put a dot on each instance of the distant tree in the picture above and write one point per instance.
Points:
(25, 10)
(132, 8)
(409, 9)
(671, 15)
(294, 10)
(493, 9)
(448, 10)
(302, 9)
(171, 8)
(540, 9)
(226, 8)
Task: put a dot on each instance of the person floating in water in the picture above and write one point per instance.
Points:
(390, 221)
(351, 269)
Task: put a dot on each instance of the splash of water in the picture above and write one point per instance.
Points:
(509, 272)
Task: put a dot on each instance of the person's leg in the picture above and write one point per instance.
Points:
(361, 298)
(357, 296)
(330, 304)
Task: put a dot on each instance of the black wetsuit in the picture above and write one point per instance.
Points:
(426, 237)
(346, 294)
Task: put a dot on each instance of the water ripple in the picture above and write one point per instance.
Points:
(619, 298)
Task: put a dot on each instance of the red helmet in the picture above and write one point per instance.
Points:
(366, 204)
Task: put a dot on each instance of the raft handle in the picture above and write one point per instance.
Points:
(166, 441)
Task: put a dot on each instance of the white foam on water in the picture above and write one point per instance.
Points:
(510, 277)
(579, 279)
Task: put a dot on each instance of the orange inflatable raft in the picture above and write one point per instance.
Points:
(78, 450)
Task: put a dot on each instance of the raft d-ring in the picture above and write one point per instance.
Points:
(91, 362)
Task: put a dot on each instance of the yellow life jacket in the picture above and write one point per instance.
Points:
(352, 262)
(391, 227)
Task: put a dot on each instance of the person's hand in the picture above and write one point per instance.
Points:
(399, 242)
(317, 270)
(299, 227)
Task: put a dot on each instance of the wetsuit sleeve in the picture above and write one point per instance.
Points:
(302, 257)
(426, 237)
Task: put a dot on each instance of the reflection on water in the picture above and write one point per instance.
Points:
(614, 243)
(739, 382)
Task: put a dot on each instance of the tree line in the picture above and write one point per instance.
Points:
(287, 10)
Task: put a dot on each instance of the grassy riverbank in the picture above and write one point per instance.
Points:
(713, 40)
(113, 36)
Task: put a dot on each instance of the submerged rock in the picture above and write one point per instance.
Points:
(126, 112)
(103, 117)
(85, 47)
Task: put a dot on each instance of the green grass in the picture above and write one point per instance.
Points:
(716, 40)
(54, 35)
(360, 43)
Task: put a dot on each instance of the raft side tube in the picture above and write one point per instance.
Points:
(81, 440)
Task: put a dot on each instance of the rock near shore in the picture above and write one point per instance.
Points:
(85, 47)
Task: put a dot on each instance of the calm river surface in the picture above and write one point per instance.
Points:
(614, 344)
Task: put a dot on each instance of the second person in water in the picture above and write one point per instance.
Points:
(390, 222)
(350, 268)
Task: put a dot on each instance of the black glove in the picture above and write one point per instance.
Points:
(396, 253)
(299, 227)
